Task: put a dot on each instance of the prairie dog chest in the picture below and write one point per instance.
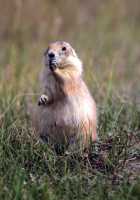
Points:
(72, 110)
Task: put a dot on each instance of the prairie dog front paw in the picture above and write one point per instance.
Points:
(43, 100)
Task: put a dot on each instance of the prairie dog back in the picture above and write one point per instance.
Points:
(66, 110)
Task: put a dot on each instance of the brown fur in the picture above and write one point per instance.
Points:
(70, 111)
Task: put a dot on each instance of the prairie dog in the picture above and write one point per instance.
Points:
(66, 110)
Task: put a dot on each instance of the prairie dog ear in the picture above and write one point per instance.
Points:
(73, 52)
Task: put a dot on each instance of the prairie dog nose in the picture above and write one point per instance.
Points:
(51, 55)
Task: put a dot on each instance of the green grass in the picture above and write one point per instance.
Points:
(109, 48)
(31, 170)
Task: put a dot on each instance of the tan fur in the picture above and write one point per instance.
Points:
(71, 111)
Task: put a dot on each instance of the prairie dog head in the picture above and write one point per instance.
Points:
(61, 56)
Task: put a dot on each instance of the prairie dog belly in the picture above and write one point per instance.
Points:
(66, 117)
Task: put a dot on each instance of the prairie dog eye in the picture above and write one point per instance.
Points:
(64, 48)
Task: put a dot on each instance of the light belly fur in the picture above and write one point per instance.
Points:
(67, 116)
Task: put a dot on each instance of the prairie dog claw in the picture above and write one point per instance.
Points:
(43, 100)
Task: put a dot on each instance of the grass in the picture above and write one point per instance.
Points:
(32, 170)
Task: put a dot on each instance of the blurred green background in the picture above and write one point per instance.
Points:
(105, 34)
